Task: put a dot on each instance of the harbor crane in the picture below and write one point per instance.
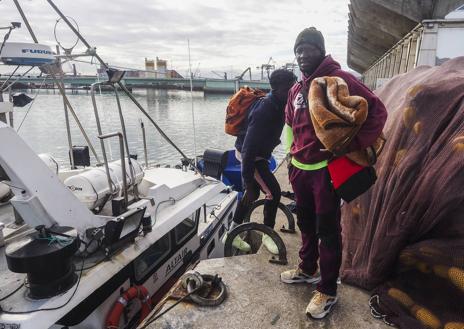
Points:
(240, 77)
(268, 67)
(222, 75)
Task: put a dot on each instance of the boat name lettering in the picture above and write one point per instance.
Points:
(36, 51)
(173, 263)
(72, 188)
(155, 277)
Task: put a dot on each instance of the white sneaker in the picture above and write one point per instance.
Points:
(270, 244)
(298, 276)
(238, 243)
(320, 305)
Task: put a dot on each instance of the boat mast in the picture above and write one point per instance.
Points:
(191, 101)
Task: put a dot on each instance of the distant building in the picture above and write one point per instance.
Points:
(157, 68)
(149, 68)
(161, 67)
(153, 69)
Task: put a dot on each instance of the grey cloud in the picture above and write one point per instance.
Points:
(222, 33)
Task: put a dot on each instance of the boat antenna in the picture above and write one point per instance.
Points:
(67, 50)
(124, 88)
(191, 101)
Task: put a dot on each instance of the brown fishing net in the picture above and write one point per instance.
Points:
(405, 237)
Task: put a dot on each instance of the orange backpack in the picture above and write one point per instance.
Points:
(237, 108)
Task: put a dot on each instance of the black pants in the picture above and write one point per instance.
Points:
(252, 194)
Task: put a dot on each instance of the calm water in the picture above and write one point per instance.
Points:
(45, 131)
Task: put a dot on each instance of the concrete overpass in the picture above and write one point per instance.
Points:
(376, 25)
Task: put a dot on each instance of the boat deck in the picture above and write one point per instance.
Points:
(257, 299)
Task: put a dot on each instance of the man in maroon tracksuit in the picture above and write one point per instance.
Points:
(318, 207)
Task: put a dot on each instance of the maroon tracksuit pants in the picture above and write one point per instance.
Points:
(318, 217)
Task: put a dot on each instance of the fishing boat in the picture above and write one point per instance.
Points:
(72, 265)
(97, 245)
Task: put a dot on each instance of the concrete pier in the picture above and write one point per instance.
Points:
(204, 84)
(257, 299)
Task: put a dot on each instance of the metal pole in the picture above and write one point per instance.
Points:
(204, 213)
(17, 79)
(100, 133)
(193, 112)
(123, 163)
(25, 21)
(108, 144)
(121, 119)
(3, 115)
(8, 79)
(62, 91)
(66, 117)
(144, 138)
(124, 135)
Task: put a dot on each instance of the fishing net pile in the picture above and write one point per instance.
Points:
(405, 237)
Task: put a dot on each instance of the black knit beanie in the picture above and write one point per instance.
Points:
(281, 77)
(313, 36)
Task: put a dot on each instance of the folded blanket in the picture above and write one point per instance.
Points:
(337, 118)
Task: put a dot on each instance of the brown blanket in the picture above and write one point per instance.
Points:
(337, 118)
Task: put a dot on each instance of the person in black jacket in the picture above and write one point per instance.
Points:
(254, 148)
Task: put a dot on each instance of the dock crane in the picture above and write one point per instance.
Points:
(268, 67)
(222, 76)
(240, 77)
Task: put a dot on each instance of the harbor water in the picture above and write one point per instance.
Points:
(44, 126)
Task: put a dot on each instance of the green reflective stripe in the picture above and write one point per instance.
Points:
(310, 166)
(288, 138)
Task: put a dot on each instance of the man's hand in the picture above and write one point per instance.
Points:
(288, 159)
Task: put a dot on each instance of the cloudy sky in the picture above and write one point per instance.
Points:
(225, 35)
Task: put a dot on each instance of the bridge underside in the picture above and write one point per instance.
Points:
(376, 25)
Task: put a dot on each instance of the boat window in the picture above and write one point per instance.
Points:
(221, 231)
(151, 258)
(186, 228)
(210, 248)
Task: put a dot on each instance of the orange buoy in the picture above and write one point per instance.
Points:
(139, 292)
